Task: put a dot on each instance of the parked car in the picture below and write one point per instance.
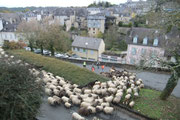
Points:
(27, 48)
(58, 55)
(74, 56)
(46, 52)
(37, 51)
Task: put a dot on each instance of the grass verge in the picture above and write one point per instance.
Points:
(64, 69)
(150, 105)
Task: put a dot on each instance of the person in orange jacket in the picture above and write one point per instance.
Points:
(102, 67)
(93, 68)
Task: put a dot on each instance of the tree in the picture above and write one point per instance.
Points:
(120, 24)
(27, 30)
(99, 35)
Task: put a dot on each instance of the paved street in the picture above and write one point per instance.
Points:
(153, 80)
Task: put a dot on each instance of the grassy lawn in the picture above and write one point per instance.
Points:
(149, 104)
(64, 69)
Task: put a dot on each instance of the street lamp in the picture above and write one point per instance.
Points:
(86, 49)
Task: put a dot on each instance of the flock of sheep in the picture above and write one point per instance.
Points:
(96, 97)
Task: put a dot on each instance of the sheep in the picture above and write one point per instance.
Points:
(129, 91)
(99, 108)
(128, 96)
(136, 94)
(108, 110)
(56, 91)
(99, 100)
(77, 90)
(124, 87)
(76, 101)
(51, 100)
(57, 99)
(138, 82)
(65, 99)
(105, 104)
(85, 104)
(48, 91)
(84, 111)
(117, 99)
(109, 99)
(77, 116)
(75, 85)
(67, 105)
(131, 104)
(141, 86)
(88, 99)
(119, 93)
(112, 90)
(92, 109)
(87, 91)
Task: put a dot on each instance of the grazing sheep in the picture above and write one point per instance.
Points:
(131, 104)
(108, 110)
(128, 96)
(67, 105)
(57, 99)
(136, 94)
(129, 91)
(77, 116)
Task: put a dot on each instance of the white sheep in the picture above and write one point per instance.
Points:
(129, 91)
(67, 105)
(76, 101)
(109, 99)
(117, 99)
(65, 99)
(48, 91)
(77, 90)
(108, 110)
(51, 100)
(128, 96)
(56, 91)
(77, 116)
(136, 94)
(93, 109)
(57, 99)
(85, 104)
(87, 91)
(131, 104)
(105, 104)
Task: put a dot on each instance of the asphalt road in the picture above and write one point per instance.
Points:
(154, 80)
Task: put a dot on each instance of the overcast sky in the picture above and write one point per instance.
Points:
(59, 3)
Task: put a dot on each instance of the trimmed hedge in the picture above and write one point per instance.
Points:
(20, 95)
(58, 67)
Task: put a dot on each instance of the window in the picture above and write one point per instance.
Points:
(76, 49)
(135, 39)
(84, 50)
(143, 51)
(133, 52)
(81, 50)
(132, 61)
(92, 52)
(145, 41)
(155, 43)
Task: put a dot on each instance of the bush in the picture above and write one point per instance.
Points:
(20, 96)
(13, 45)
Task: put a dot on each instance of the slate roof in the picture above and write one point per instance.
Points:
(8, 27)
(141, 33)
(93, 43)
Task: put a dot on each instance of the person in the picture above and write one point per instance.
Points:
(93, 68)
(102, 67)
(98, 63)
(84, 64)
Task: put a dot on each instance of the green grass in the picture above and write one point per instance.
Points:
(64, 69)
(150, 104)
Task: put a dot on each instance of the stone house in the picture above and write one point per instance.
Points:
(88, 47)
(7, 32)
(95, 24)
(144, 46)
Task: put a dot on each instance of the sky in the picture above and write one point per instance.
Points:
(57, 3)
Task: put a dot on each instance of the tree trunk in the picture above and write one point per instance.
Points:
(52, 50)
(31, 46)
(41, 50)
(172, 82)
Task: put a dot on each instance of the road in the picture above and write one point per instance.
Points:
(154, 80)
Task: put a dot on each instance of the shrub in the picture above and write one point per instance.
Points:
(20, 95)
(13, 45)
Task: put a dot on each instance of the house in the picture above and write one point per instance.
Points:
(95, 24)
(88, 47)
(144, 46)
(7, 32)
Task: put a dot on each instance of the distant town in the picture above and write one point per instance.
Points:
(133, 35)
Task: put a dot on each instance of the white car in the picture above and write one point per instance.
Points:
(58, 55)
